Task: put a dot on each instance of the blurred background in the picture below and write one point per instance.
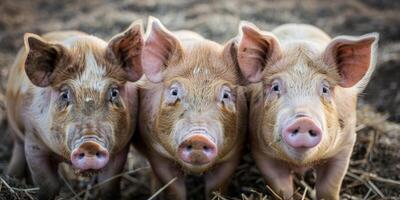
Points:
(375, 168)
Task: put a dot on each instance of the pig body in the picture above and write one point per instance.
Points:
(193, 114)
(303, 102)
(69, 99)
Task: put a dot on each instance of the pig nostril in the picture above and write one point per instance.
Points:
(189, 147)
(81, 155)
(205, 148)
(312, 133)
(295, 131)
(98, 154)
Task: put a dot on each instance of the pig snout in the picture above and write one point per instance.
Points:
(89, 155)
(197, 150)
(302, 133)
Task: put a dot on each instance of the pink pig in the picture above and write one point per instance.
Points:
(303, 101)
(193, 111)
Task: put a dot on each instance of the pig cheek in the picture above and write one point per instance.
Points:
(332, 125)
(272, 113)
(226, 130)
(59, 132)
(166, 121)
(119, 130)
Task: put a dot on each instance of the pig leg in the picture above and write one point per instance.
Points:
(276, 173)
(111, 188)
(218, 179)
(42, 167)
(165, 170)
(330, 175)
(17, 165)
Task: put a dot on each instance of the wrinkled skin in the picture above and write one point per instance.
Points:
(71, 98)
(193, 110)
(303, 102)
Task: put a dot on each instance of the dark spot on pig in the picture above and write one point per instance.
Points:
(35, 147)
(341, 123)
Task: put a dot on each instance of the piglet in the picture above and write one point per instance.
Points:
(193, 111)
(71, 98)
(303, 101)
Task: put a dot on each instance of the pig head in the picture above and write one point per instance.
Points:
(71, 98)
(193, 108)
(303, 101)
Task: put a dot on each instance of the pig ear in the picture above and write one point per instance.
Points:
(160, 48)
(256, 50)
(42, 59)
(127, 48)
(354, 57)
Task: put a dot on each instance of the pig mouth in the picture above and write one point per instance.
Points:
(87, 173)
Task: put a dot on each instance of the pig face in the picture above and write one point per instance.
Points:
(85, 108)
(300, 121)
(197, 122)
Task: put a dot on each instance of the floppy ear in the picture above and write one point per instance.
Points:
(352, 56)
(42, 59)
(127, 48)
(256, 50)
(159, 49)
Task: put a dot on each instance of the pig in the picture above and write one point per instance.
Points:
(302, 103)
(71, 98)
(193, 110)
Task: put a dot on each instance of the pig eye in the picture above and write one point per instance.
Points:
(114, 94)
(173, 94)
(64, 96)
(325, 89)
(276, 87)
(225, 95)
(174, 91)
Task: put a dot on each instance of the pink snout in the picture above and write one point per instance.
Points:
(302, 133)
(89, 155)
(197, 150)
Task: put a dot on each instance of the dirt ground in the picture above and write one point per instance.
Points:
(375, 168)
